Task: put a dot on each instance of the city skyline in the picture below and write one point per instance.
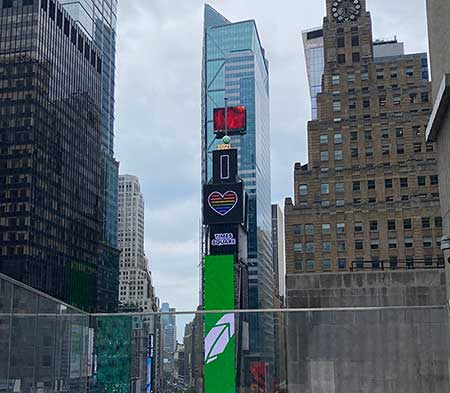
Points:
(173, 223)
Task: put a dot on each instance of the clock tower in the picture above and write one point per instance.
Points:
(348, 41)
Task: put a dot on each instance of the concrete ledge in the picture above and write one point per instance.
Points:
(439, 109)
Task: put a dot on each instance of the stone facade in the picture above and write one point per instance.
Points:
(369, 195)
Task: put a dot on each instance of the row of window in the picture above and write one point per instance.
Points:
(308, 229)
(375, 263)
(364, 76)
(382, 101)
(404, 182)
(427, 242)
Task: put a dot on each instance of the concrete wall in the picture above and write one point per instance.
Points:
(439, 40)
(385, 351)
(367, 289)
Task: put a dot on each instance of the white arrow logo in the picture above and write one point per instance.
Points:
(218, 338)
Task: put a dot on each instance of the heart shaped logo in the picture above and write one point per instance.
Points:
(223, 204)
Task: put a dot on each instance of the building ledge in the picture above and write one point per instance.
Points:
(439, 110)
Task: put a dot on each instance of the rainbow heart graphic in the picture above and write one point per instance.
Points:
(222, 204)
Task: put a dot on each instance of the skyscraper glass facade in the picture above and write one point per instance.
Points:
(50, 143)
(98, 19)
(314, 56)
(235, 69)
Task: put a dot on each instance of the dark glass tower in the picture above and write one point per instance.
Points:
(98, 19)
(235, 68)
(50, 161)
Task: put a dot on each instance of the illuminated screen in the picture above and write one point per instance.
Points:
(237, 119)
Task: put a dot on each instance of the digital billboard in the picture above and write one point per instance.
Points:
(233, 119)
(225, 168)
(220, 330)
(223, 204)
(223, 239)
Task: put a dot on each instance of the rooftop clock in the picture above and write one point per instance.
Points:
(346, 10)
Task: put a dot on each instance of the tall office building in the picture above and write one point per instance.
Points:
(368, 197)
(135, 284)
(50, 143)
(314, 57)
(98, 20)
(235, 68)
(168, 329)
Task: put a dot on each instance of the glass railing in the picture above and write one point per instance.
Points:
(49, 347)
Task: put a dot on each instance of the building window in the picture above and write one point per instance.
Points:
(368, 135)
(391, 225)
(374, 244)
(438, 222)
(336, 106)
(351, 77)
(355, 40)
(409, 242)
(355, 152)
(326, 229)
(341, 42)
(397, 100)
(340, 227)
(309, 229)
(341, 246)
(359, 244)
(388, 183)
(384, 133)
(403, 182)
(298, 265)
(385, 150)
(366, 102)
(354, 136)
(356, 57)
(382, 100)
(424, 97)
(310, 265)
(298, 230)
(340, 202)
(335, 79)
(325, 203)
(338, 138)
(373, 226)
(394, 73)
(342, 263)
(359, 228)
(426, 223)
(371, 184)
(341, 58)
(428, 242)
(327, 264)
(324, 156)
(409, 72)
(421, 181)
(407, 223)
(356, 186)
(324, 188)
(338, 155)
(434, 180)
(369, 151)
(326, 246)
(393, 262)
(298, 247)
(324, 139)
(380, 75)
(392, 243)
(303, 189)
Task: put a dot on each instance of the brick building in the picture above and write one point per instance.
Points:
(368, 198)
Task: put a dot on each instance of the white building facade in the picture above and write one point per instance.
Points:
(135, 287)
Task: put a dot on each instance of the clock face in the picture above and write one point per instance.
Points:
(345, 10)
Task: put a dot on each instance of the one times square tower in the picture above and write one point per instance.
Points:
(50, 154)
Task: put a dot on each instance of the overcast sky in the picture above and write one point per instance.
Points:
(158, 110)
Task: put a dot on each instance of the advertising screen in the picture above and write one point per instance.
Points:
(220, 332)
(223, 239)
(223, 204)
(235, 119)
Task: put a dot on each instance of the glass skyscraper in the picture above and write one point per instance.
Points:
(235, 68)
(98, 19)
(314, 57)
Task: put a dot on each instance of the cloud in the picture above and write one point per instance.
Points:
(158, 110)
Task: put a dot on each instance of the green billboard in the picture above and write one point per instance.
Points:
(220, 329)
